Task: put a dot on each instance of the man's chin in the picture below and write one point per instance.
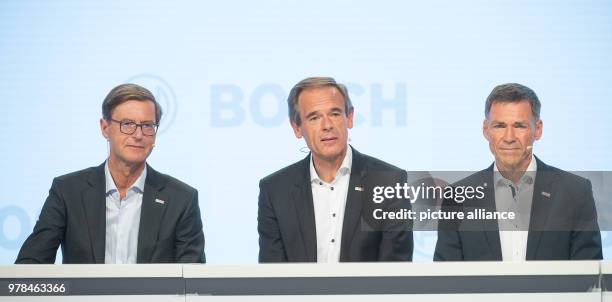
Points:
(509, 163)
(331, 156)
(135, 160)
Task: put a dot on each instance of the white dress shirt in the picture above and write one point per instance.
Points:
(517, 198)
(122, 220)
(329, 201)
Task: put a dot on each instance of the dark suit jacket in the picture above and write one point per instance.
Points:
(286, 221)
(74, 216)
(563, 222)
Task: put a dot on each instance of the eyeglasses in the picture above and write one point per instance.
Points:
(129, 127)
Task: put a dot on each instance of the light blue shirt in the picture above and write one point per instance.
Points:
(122, 220)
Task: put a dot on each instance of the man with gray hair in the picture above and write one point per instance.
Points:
(555, 212)
(319, 209)
(122, 211)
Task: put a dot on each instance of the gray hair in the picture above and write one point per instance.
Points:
(314, 82)
(128, 92)
(513, 93)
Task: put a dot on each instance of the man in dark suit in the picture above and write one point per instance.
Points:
(122, 211)
(320, 209)
(557, 219)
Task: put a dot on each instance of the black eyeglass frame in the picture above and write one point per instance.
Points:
(124, 122)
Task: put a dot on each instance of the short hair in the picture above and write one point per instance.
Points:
(128, 92)
(314, 82)
(513, 93)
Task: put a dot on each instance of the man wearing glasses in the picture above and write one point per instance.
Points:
(122, 211)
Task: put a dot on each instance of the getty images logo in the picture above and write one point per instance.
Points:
(163, 94)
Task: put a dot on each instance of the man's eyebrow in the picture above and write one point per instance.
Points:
(313, 113)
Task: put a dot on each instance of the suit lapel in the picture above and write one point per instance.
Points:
(540, 208)
(94, 205)
(301, 195)
(154, 204)
(352, 212)
(491, 227)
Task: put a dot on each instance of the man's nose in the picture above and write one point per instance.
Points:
(138, 133)
(509, 135)
(327, 123)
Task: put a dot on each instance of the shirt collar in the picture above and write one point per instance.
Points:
(345, 167)
(110, 183)
(528, 177)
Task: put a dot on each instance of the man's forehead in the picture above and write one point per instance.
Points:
(510, 105)
(509, 121)
(135, 108)
(317, 96)
(320, 92)
(320, 110)
(501, 110)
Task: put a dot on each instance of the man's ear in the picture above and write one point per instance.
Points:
(296, 130)
(485, 129)
(538, 129)
(104, 128)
